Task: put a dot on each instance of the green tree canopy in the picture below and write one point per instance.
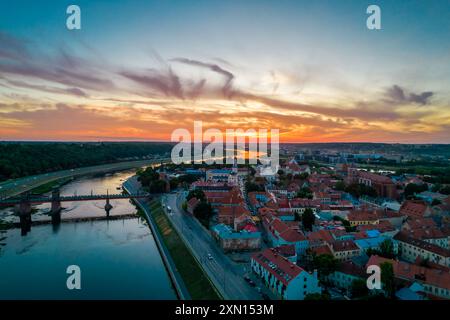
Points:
(387, 278)
(308, 219)
(203, 212)
(325, 264)
(196, 193)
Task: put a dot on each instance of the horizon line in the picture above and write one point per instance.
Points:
(174, 142)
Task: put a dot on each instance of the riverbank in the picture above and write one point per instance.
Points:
(195, 279)
(15, 187)
(181, 265)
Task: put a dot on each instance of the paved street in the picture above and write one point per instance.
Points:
(225, 274)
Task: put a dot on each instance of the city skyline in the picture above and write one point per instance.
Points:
(138, 70)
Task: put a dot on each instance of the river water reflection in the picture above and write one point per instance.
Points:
(118, 258)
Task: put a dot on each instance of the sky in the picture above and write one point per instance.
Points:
(138, 70)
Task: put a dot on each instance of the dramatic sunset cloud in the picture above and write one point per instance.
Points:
(138, 70)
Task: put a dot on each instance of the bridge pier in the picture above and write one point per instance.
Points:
(23, 209)
(56, 207)
(108, 207)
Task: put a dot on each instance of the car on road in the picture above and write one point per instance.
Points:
(210, 257)
(251, 283)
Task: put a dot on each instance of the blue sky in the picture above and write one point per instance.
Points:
(308, 53)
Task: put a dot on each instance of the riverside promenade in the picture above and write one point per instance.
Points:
(132, 186)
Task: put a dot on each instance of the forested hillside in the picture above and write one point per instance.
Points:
(29, 158)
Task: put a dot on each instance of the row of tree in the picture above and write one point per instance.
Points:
(203, 211)
(30, 158)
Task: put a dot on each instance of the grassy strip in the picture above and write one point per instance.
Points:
(196, 281)
(47, 187)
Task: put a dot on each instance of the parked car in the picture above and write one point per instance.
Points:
(250, 282)
(210, 257)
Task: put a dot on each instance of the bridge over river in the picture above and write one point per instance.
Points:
(22, 205)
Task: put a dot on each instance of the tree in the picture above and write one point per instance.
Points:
(445, 190)
(387, 248)
(308, 219)
(411, 189)
(157, 186)
(251, 187)
(301, 176)
(387, 278)
(345, 223)
(18, 159)
(359, 288)
(173, 183)
(340, 185)
(203, 212)
(358, 189)
(196, 193)
(436, 202)
(305, 193)
(147, 176)
(325, 264)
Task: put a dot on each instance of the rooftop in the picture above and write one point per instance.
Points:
(277, 265)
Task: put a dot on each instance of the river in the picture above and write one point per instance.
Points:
(118, 259)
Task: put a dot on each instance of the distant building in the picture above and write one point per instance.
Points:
(230, 240)
(362, 217)
(436, 282)
(219, 175)
(280, 233)
(383, 185)
(410, 249)
(285, 279)
(415, 209)
(345, 249)
(346, 273)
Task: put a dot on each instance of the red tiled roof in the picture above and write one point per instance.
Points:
(323, 249)
(287, 250)
(344, 245)
(321, 235)
(288, 234)
(377, 178)
(413, 208)
(411, 272)
(348, 267)
(280, 267)
(429, 233)
(407, 238)
(362, 215)
(235, 211)
(291, 235)
(420, 223)
(193, 202)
